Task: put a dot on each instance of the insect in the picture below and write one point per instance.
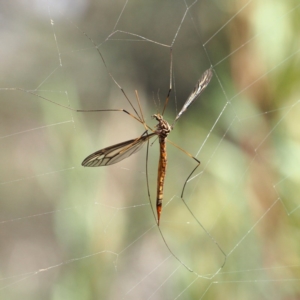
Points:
(116, 153)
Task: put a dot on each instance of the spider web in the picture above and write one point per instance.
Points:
(69, 232)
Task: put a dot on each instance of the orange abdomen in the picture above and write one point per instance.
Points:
(162, 167)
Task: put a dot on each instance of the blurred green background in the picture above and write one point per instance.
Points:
(69, 232)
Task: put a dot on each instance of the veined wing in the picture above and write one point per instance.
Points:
(200, 86)
(116, 153)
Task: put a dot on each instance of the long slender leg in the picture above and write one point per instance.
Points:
(80, 110)
(186, 205)
(137, 117)
(107, 69)
(149, 197)
(170, 86)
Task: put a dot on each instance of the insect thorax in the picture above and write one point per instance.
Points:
(162, 128)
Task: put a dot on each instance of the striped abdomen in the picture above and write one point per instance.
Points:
(162, 167)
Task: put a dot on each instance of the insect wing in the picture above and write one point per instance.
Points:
(116, 153)
(200, 86)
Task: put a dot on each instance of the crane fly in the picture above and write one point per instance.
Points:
(116, 153)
